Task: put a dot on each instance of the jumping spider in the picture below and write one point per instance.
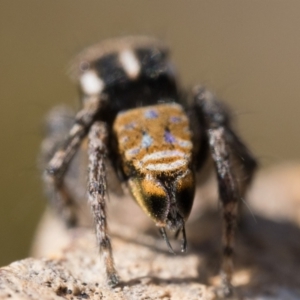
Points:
(157, 138)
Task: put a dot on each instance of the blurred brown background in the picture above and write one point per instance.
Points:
(245, 51)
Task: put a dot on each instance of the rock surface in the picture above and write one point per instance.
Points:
(267, 261)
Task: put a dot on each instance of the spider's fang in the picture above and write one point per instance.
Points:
(184, 240)
(177, 233)
(165, 237)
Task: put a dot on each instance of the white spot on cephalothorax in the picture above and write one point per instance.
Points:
(130, 63)
(91, 83)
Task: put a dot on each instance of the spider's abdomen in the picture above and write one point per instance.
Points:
(155, 146)
(154, 139)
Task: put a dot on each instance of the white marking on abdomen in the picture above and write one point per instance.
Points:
(160, 155)
(146, 141)
(91, 83)
(167, 167)
(184, 144)
(156, 160)
(132, 152)
(130, 63)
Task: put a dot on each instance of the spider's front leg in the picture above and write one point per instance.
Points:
(227, 150)
(97, 191)
(53, 177)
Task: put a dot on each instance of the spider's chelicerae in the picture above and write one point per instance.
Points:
(156, 137)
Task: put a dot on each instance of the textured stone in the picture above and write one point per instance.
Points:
(267, 260)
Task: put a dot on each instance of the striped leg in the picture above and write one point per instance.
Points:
(97, 191)
(54, 174)
(225, 147)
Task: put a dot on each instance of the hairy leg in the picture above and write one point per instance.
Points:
(53, 176)
(225, 148)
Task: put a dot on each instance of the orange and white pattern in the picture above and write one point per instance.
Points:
(155, 139)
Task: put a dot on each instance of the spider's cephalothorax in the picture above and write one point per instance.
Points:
(134, 114)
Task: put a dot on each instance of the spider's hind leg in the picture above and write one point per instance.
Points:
(232, 160)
